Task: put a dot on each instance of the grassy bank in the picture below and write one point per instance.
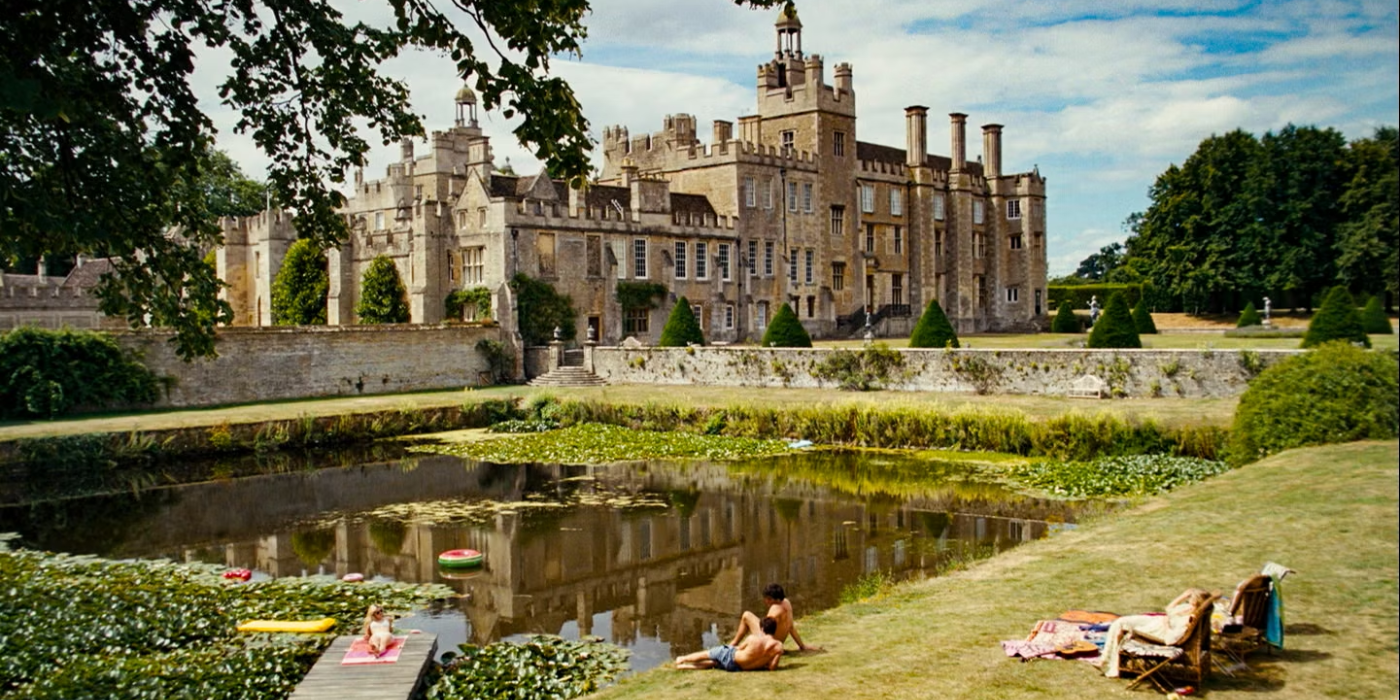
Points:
(1329, 512)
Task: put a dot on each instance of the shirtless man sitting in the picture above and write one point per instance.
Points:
(780, 610)
(758, 651)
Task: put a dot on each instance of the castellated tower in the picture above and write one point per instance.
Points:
(252, 254)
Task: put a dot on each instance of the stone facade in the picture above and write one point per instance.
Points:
(288, 363)
(55, 302)
(793, 208)
(1121, 373)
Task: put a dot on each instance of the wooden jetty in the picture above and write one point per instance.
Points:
(329, 680)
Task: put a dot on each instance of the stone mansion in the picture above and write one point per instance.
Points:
(792, 207)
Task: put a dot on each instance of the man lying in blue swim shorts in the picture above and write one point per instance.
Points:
(757, 651)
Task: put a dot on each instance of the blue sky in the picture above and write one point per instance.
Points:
(1101, 95)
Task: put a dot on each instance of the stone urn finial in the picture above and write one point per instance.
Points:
(558, 333)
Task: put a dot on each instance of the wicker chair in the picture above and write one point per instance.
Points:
(1249, 611)
(1187, 661)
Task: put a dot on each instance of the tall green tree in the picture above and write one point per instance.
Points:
(1192, 236)
(299, 290)
(1368, 239)
(1295, 190)
(1098, 266)
(104, 142)
(228, 190)
(682, 328)
(383, 298)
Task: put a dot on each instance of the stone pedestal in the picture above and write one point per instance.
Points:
(556, 355)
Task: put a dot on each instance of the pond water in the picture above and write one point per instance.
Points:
(660, 558)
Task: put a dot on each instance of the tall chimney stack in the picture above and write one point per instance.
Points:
(991, 150)
(959, 129)
(915, 135)
(723, 132)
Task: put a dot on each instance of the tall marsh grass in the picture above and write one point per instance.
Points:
(1073, 436)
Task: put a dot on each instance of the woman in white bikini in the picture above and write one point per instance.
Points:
(379, 630)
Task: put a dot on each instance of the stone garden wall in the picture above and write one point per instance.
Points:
(268, 364)
(1133, 373)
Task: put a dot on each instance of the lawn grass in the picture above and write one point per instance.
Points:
(1330, 513)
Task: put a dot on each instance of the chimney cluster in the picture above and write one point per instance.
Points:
(916, 141)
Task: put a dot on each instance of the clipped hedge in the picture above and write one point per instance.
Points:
(1142, 318)
(785, 331)
(1115, 327)
(1065, 320)
(1079, 295)
(1249, 317)
(1374, 320)
(681, 328)
(1336, 393)
(1338, 319)
(933, 329)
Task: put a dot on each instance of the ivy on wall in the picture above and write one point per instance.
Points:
(458, 300)
(640, 295)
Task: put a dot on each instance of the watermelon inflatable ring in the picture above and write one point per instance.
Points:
(460, 559)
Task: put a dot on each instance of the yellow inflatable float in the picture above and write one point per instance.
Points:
(322, 625)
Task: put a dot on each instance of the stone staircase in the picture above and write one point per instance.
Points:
(568, 376)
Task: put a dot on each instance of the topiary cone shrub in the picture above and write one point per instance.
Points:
(1142, 318)
(1249, 317)
(1065, 320)
(383, 298)
(1115, 327)
(1338, 319)
(1373, 318)
(933, 329)
(1337, 393)
(681, 327)
(785, 331)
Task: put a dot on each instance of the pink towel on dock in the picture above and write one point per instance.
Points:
(360, 654)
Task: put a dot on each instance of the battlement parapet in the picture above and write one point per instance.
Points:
(608, 219)
(732, 151)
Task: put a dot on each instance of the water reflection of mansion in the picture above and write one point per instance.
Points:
(670, 573)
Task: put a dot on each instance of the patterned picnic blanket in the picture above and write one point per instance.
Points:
(1076, 635)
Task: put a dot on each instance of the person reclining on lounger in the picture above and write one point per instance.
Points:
(780, 609)
(1155, 628)
(758, 651)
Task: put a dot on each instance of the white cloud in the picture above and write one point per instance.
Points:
(1104, 94)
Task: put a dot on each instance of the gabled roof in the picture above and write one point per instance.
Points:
(89, 274)
(516, 187)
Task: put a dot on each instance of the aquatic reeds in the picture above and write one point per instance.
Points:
(1071, 436)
